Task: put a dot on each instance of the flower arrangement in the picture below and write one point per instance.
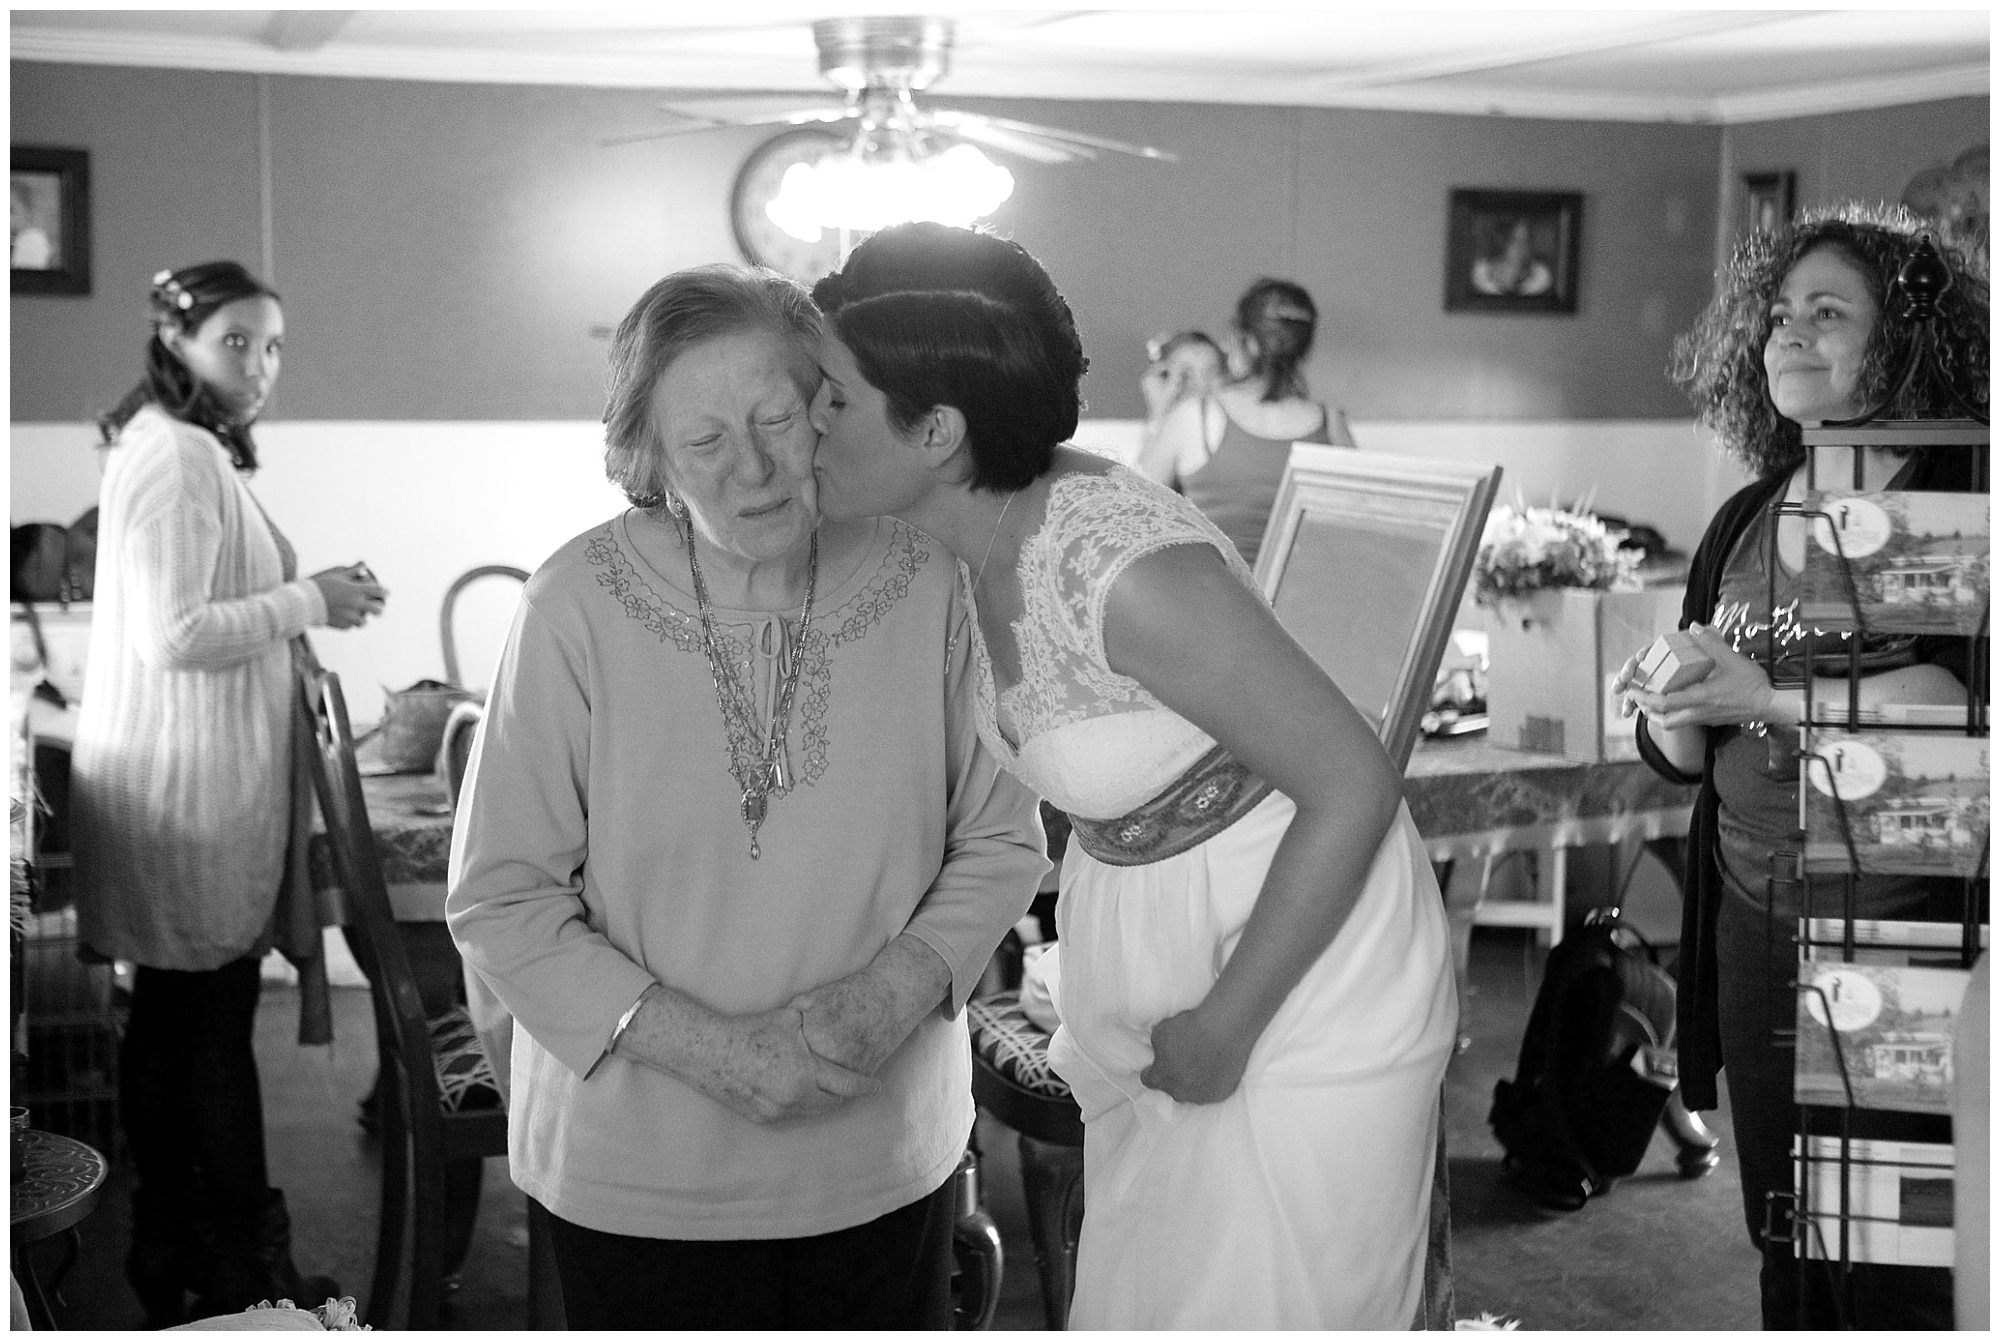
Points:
(1525, 550)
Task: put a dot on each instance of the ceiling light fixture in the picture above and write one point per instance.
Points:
(896, 169)
(859, 191)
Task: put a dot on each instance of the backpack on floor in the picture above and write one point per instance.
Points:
(1597, 1066)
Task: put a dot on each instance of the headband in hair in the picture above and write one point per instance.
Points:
(167, 292)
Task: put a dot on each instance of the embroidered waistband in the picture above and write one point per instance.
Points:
(1212, 795)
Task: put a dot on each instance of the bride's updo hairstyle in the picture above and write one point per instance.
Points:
(936, 315)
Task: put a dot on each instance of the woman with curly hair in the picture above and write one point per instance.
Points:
(1805, 330)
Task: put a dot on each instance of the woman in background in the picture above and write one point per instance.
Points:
(181, 784)
(1226, 451)
(1256, 991)
(1803, 331)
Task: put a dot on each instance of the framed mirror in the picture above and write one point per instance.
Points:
(1365, 560)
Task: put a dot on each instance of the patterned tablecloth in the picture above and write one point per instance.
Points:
(412, 824)
(1469, 799)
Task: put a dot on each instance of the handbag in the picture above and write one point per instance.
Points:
(412, 726)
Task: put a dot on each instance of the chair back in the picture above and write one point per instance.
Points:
(402, 1031)
(446, 631)
(455, 751)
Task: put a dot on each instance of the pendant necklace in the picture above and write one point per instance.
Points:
(999, 521)
(764, 773)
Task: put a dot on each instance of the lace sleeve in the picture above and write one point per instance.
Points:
(1102, 530)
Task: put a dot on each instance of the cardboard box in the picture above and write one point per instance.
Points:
(1552, 658)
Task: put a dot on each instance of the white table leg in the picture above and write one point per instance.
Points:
(1551, 878)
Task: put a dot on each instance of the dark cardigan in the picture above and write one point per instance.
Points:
(1701, 887)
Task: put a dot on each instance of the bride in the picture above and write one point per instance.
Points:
(1256, 997)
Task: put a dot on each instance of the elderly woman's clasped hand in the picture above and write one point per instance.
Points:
(860, 1020)
(1736, 692)
(759, 1065)
(775, 1074)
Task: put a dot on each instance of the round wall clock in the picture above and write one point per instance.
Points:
(763, 242)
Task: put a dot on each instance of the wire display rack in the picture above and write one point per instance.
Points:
(1884, 789)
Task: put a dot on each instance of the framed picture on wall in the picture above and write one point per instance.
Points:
(1365, 560)
(1768, 199)
(1512, 251)
(49, 220)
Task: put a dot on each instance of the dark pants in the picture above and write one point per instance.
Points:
(187, 1088)
(1756, 964)
(893, 1273)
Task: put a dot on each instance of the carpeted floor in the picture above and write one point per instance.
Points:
(1656, 1252)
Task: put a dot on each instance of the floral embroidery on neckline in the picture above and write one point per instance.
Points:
(625, 582)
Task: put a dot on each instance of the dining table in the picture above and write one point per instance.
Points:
(1473, 799)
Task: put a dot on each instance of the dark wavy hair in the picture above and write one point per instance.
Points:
(1280, 316)
(185, 299)
(677, 313)
(1720, 363)
(936, 315)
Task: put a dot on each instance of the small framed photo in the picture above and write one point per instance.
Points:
(49, 220)
(1512, 251)
(1768, 199)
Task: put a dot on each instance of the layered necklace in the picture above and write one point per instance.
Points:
(760, 772)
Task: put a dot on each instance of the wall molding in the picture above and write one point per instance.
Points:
(1856, 95)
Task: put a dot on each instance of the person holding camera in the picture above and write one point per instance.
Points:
(1226, 449)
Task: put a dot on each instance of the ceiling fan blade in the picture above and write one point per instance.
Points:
(1078, 142)
(739, 105)
(696, 123)
(806, 118)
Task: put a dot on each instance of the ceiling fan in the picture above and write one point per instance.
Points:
(880, 65)
(871, 154)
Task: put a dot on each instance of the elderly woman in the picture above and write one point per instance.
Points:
(733, 857)
(1803, 331)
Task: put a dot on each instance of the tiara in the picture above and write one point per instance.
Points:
(167, 291)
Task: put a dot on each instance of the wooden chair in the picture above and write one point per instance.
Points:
(1012, 1083)
(426, 1066)
(447, 634)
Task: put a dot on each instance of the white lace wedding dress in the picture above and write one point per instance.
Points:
(1303, 1199)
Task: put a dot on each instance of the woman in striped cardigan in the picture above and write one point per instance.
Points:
(182, 782)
